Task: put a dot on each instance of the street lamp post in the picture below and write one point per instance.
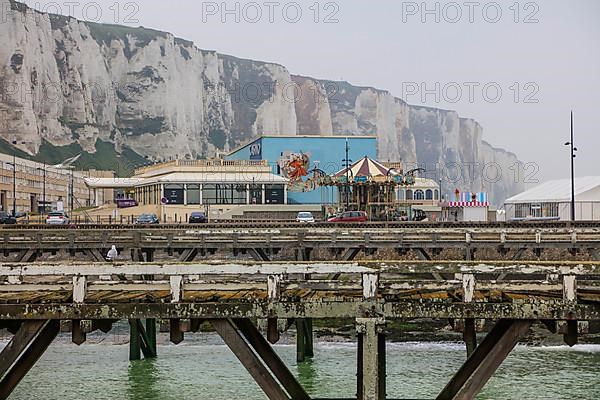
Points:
(43, 189)
(347, 162)
(14, 165)
(71, 192)
(573, 156)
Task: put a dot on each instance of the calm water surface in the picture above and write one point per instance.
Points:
(203, 368)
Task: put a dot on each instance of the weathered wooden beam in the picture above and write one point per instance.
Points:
(406, 308)
(469, 332)
(78, 335)
(309, 337)
(350, 254)
(25, 334)
(373, 358)
(79, 289)
(259, 254)
(273, 334)
(271, 360)
(135, 347)
(571, 333)
(176, 283)
(570, 289)
(23, 351)
(148, 337)
(370, 284)
(261, 375)
(188, 255)
(570, 298)
(518, 254)
(360, 338)
(485, 360)
(470, 336)
(325, 268)
(274, 287)
(382, 365)
(422, 254)
(176, 333)
(301, 340)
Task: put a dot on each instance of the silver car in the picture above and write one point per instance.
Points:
(305, 217)
(57, 218)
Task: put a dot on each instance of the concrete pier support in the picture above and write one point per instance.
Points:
(371, 374)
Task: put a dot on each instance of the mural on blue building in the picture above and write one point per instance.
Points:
(296, 167)
(301, 158)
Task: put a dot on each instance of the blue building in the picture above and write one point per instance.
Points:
(299, 158)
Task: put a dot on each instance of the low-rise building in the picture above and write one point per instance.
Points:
(182, 186)
(35, 186)
(552, 200)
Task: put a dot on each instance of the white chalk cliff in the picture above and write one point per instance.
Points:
(66, 81)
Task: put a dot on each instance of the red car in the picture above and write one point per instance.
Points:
(350, 216)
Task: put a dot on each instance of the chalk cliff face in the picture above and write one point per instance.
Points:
(66, 82)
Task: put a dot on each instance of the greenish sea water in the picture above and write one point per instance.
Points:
(203, 368)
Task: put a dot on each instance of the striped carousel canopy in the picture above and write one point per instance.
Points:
(366, 167)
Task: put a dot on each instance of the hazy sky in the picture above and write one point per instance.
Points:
(544, 56)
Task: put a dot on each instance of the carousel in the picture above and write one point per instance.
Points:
(368, 185)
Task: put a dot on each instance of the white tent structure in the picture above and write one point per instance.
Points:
(552, 200)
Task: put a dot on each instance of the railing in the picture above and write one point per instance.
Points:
(231, 236)
(202, 163)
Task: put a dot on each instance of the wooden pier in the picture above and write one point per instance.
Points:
(189, 243)
(35, 297)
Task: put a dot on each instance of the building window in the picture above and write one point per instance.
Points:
(255, 194)
(409, 194)
(429, 194)
(193, 194)
(536, 210)
(274, 194)
(436, 194)
(224, 194)
(401, 194)
(174, 194)
(419, 195)
(550, 210)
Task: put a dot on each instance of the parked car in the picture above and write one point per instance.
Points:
(197, 218)
(7, 219)
(305, 217)
(350, 216)
(57, 218)
(147, 219)
(420, 216)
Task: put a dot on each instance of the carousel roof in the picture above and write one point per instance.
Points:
(367, 167)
